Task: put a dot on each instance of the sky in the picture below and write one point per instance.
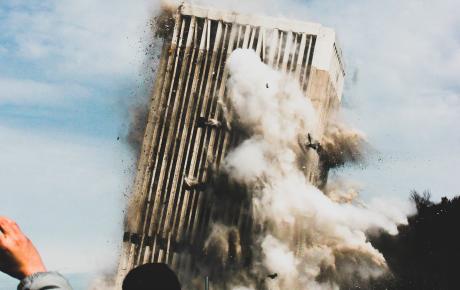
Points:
(68, 72)
(70, 69)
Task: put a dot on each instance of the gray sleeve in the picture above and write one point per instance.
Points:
(44, 281)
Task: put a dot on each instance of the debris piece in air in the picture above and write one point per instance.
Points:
(192, 183)
(266, 85)
(213, 123)
(272, 276)
(118, 138)
(313, 144)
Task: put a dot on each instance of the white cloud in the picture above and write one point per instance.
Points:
(31, 92)
(82, 38)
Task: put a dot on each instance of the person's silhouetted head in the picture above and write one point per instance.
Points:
(152, 276)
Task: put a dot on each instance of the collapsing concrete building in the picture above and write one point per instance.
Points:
(187, 136)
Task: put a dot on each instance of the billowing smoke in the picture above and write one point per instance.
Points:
(103, 282)
(341, 145)
(223, 245)
(301, 238)
(138, 115)
(341, 190)
(160, 26)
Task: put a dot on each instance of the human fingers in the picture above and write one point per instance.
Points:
(3, 229)
(9, 229)
(3, 225)
(9, 226)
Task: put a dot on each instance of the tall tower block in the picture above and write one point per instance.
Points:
(170, 209)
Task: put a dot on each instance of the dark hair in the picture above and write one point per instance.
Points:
(152, 276)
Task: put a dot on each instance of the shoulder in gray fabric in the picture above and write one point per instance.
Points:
(45, 281)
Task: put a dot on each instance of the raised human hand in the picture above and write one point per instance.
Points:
(18, 256)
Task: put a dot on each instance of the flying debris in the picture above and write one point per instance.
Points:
(272, 276)
(193, 183)
(213, 123)
(311, 143)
